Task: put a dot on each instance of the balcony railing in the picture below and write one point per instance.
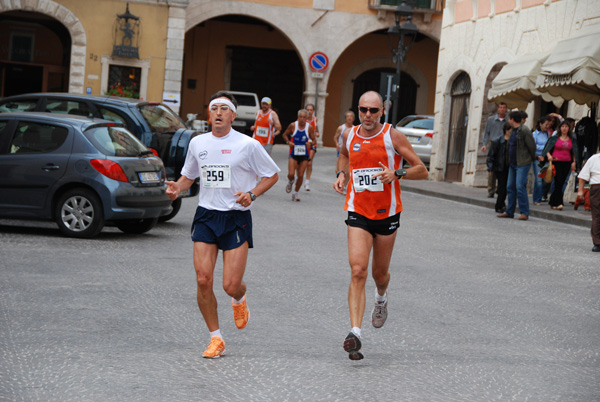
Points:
(420, 6)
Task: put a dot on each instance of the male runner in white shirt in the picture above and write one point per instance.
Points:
(227, 163)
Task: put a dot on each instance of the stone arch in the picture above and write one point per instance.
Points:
(73, 25)
(295, 30)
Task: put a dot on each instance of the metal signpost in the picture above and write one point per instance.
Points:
(318, 63)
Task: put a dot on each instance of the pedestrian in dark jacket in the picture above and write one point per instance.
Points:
(521, 152)
(497, 163)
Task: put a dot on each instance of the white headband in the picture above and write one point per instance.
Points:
(224, 101)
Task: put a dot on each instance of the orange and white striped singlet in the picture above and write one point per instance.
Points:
(367, 196)
(263, 128)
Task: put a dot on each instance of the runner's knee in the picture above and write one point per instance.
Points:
(359, 273)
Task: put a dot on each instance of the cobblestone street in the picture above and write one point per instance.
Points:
(480, 309)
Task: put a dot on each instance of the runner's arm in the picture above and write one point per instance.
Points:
(311, 134)
(336, 137)
(288, 132)
(343, 164)
(174, 188)
(276, 124)
(417, 169)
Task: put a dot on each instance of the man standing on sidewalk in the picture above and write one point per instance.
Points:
(521, 152)
(227, 163)
(371, 156)
(591, 173)
(493, 130)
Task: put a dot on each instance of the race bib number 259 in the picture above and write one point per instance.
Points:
(216, 176)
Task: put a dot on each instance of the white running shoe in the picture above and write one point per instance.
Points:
(306, 186)
(380, 313)
(295, 197)
(288, 188)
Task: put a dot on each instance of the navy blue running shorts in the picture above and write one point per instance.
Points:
(382, 227)
(226, 229)
(300, 158)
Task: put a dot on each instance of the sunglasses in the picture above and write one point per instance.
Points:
(373, 110)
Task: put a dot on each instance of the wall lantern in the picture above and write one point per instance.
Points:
(126, 34)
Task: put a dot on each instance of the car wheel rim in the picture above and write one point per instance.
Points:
(77, 213)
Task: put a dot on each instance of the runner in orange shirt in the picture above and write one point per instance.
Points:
(371, 157)
(312, 120)
(266, 126)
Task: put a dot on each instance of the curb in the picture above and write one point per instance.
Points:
(556, 217)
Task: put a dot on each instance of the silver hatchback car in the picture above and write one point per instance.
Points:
(79, 172)
(418, 129)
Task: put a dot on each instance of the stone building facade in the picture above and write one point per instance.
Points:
(478, 38)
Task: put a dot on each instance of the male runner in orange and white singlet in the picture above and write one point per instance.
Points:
(371, 156)
(311, 120)
(266, 126)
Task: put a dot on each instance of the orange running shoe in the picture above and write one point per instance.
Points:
(241, 314)
(216, 348)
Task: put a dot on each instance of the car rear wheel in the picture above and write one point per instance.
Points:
(136, 226)
(79, 214)
(176, 207)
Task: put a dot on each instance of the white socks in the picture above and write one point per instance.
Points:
(356, 331)
(237, 301)
(380, 299)
(216, 333)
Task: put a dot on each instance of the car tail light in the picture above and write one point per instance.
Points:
(110, 169)
(154, 152)
(430, 135)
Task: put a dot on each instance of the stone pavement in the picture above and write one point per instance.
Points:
(480, 309)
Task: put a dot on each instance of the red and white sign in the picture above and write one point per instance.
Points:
(318, 62)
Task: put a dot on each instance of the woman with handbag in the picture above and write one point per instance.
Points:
(561, 150)
(540, 186)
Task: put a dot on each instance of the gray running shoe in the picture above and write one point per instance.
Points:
(379, 314)
(288, 188)
(352, 345)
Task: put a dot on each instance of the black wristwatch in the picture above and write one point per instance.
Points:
(252, 196)
(400, 173)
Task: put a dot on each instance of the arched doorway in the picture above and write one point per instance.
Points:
(36, 57)
(371, 80)
(457, 133)
(252, 57)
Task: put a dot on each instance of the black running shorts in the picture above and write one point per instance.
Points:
(384, 227)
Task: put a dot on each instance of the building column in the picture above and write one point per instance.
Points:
(174, 59)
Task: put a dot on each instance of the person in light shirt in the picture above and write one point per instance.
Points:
(227, 163)
(591, 173)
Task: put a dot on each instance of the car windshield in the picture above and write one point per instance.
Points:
(425, 124)
(245, 100)
(115, 141)
(160, 118)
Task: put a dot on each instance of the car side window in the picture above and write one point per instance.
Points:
(21, 105)
(32, 137)
(112, 116)
(68, 107)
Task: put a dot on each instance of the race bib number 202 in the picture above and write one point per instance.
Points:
(216, 176)
(363, 180)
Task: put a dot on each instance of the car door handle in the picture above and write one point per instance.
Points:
(50, 167)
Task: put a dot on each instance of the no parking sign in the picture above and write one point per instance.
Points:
(318, 62)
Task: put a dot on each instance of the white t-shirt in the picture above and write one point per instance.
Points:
(591, 170)
(226, 165)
